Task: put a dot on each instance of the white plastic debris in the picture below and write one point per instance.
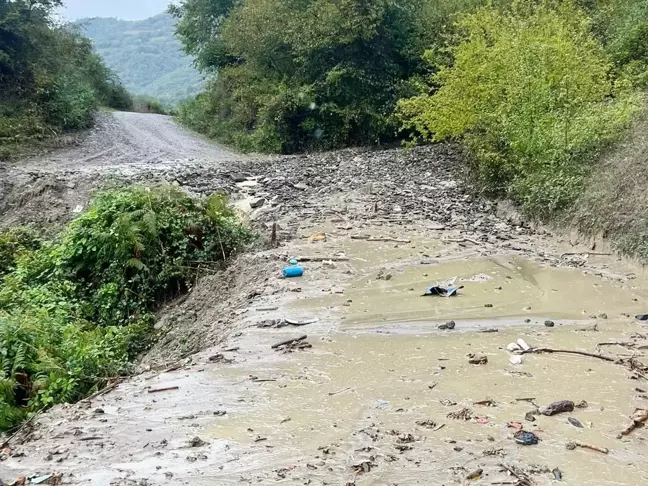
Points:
(522, 343)
(512, 347)
(516, 360)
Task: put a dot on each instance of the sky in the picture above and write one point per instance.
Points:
(122, 9)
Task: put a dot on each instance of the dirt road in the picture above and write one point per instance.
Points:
(377, 393)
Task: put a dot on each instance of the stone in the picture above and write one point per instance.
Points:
(257, 202)
(549, 323)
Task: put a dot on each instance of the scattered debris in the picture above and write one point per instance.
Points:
(529, 417)
(428, 424)
(639, 418)
(437, 290)
(279, 323)
(289, 342)
(516, 360)
(463, 414)
(488, 402)
(575, 422)
(448, 325)
(220, 358)
(363, 467)
(340, 391)
(522, 478)
(168, 388)
(557, 407)
(197, 442)
(293, 271)
(574, 444)
(322, 259)
(525, 438)
(557, 474)
(475, 474)
(477, 360)
(523, 345)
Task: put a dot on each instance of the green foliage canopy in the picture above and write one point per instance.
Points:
(529, 91)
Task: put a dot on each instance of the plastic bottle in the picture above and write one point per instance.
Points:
(293, 271)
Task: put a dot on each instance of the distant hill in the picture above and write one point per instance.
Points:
(146, 55)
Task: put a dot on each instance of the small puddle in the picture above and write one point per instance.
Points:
(494, 288)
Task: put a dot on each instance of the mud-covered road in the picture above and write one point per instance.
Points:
(380, 391)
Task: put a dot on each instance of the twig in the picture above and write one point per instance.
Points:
(289, 341)
(221, 243)
(22, 427)
(322, 259)
(567, 351)
(106, 389)
(523, 479)
(573, 444)
(92, 437)
(168, 388)
(462, 240)
(584, 253)
(638, 420)
(341, 391)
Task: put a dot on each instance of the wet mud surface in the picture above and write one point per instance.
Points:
(375, 393)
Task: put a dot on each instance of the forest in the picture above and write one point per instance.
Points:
(52, 80)
(534, 88)
(146, 56)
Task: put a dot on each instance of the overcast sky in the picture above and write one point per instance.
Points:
(122, 9)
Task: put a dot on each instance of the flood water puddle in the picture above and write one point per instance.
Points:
(493, 288)
(354, 392)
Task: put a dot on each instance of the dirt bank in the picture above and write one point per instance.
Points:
(376, 393)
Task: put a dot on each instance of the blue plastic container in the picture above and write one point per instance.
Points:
(292, 272)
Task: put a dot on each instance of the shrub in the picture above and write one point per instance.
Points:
(528, 90)
(74, 311)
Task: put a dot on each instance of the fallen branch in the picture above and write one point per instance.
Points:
(594, 253)
(322, 259)
(568, 351)
(92, 437)
(574, 444)
(168, 388)
(639, 419)
(462, 240)
(521, 476)
(341, 391)
(21, 428)
(289, 341)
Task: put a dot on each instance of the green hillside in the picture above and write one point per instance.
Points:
(146, 55)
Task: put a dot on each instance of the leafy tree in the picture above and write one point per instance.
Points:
(529, 91)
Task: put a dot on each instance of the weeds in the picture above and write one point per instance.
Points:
(75, 311)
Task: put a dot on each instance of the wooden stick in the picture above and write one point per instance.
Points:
(574, 444)
(168, 388)
(639, 418)
(567, 351)
(322, 259)
(289, 341)
(584, 253)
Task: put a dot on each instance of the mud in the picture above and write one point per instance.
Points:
(373, 400)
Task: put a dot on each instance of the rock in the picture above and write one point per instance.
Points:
(477, 360)
(603, 315)
(549, 323)
(238, 177)
(197, 442)
(557, 407)
(512, 347)
(450, 324)
(257, 202)
(300, 186)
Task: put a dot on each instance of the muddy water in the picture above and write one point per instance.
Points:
(383, 383)
(384, 366)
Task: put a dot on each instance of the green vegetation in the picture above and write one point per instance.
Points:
(529, 91)
(51, 79)
(74, 311)
(146, 56)
(295, 75)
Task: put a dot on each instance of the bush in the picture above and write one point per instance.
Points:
(74, 311)
(529, 91)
